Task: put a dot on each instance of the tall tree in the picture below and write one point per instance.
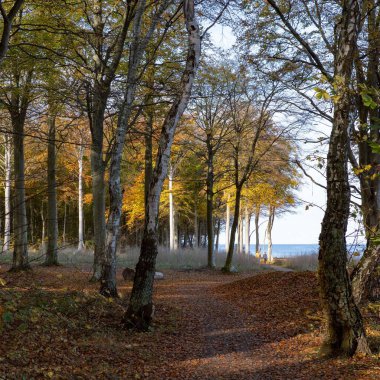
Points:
(140, 308)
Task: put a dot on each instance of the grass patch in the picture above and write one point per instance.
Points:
(302, 262)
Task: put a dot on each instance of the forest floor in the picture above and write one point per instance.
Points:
(54, 325)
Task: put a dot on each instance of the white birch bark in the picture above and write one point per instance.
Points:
(228, 217)
(247, 219)
(269, 232)
(172, 228)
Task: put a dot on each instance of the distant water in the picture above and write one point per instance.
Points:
(283, 250)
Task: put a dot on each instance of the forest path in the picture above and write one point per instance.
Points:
(217, 339)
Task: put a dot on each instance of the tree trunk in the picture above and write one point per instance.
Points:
(369, 186)
(247, 228)
(52, 220)
(228, 264)
(140, 309)
(217, 236)
(227, 224)
(257, 231)
(172, 229)
(209, 206)
(64, 224)
(80, 200)
(196, 229)
(98, 191)
(269, 232)
(240, 235)
(20, 224)
(346, 334)
(43, 232)
(7, 192)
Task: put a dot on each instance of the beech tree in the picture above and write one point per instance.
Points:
(346, 333)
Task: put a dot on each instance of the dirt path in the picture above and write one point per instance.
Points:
(207, 326)
(222, 341)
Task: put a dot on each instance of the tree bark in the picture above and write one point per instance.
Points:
(227, 224)
(140, 309)
(269, 232)
(80, 200)
(20, 224)
(369, 186)
(217, 236)
(7, 192)
(52, 220)
(172, 227)
(346, 334)
(257, 231)
(228, 264)
(209, 206)
(247, 228)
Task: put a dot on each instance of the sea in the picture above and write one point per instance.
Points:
(286, 250)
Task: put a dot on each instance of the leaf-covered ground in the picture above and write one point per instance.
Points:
(207, 326)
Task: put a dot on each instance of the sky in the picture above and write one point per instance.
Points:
(301, 226)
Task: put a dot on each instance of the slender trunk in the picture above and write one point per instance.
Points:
(52, 220)
(369, 181)
(257, 231)
(217, 235)
(98, 182)
(31, 221)
(7, 192)
(196, 229)
(80, 200)
(227, 224)
(43, 232)
(148, 154)
(231, 247)
(172, 226)
(247, 228)
(20, 224)
(209, 206)
(240, 234)
(269, 232)
(140, 309)
(64, 224)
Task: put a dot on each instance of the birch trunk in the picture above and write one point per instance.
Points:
(140, 309)
(196, 229)
(269, 232)
(227, 224)
(7, 192)
(346, 334)
(80, 200)
(217, 236)
(172, 228)
(247, 228)
(52, 220)
(240, 234)
(257, 232)
(64, 224)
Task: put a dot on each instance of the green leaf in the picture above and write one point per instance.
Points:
(375, 147)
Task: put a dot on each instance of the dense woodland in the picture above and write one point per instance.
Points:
(123, 125)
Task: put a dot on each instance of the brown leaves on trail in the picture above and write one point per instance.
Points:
(282, 303)
(54, 325)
